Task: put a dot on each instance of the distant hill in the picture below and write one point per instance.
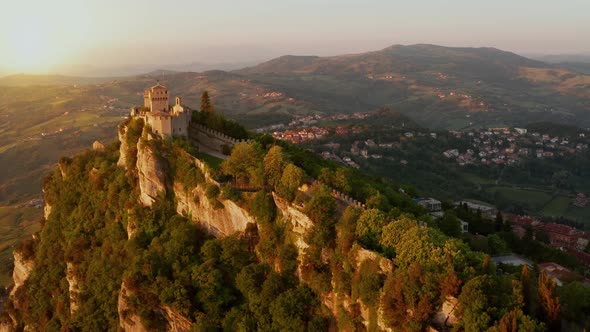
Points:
(581, 67)
(563, 58)
(434, 86)
(438, 86)
(29, 80)
(161, 72)
(400, 58)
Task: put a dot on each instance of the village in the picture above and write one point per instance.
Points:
(304, 128)
(509, 146)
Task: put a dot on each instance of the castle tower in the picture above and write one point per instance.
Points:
(156, 98)
(163, 119)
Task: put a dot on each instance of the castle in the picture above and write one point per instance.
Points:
(164, 119)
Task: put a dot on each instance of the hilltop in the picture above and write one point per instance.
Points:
(437, 86)
(45, 117)
(142, 235)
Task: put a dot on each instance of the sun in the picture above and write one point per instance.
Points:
(49, 34)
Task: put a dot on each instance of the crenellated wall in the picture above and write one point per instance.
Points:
(211, 140)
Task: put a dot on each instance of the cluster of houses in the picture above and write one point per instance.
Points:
(564, 237)
(301, 135)
(312, 119)
(303, 128)
(509, 146)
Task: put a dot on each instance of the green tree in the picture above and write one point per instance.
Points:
(292, 178)
(206, 106)
(474, 304)
(369, 227)
(370, 282)
(450, 225)
(321, 209)
(274, 163)
(575, 301)
(392, 232)
(497, 245)
(263, 207)
(293, 309)
(244, 163)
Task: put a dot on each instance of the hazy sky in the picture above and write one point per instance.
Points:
(35, 34)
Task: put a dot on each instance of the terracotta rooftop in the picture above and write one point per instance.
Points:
(560, 229)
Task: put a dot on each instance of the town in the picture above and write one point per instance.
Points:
(509, 146)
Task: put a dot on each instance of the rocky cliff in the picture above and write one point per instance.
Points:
(22, 269)
(131, 322)
(73, 287)
(219, 221)
(128, 320)
(123, 148)
(151, 174)
(148, 235)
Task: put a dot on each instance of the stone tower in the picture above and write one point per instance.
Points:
(156, 98)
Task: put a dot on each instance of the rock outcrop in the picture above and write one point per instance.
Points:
(123, 148)
(446, 316)
(218, 221)
(97, 146)
(152, 178)
(131, 322)
(128, 321)
(46, 210)
(176, 322)
(74, 287)
(131, 224)
(300, 221)
(22, 270)
(7, 327)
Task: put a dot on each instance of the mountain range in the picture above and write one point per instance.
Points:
(435, 86)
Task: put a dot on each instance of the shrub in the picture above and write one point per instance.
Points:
(227, 192)
(211, 191)
(263, 207)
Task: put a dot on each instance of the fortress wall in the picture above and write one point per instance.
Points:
(214, 140)
(179, 125)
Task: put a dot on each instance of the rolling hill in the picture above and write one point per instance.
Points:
(435, 86)
(438, 86)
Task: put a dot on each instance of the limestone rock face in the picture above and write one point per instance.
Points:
(152, 179)
(220, 222)
(97, 146)
(131, 224)
(129, 322)
(123, 148)
(74, 288)
(176, 321)
(385, 265)
(22, 270)
(46, 210)
(300, 221)
(7, 327)
(446, 316)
